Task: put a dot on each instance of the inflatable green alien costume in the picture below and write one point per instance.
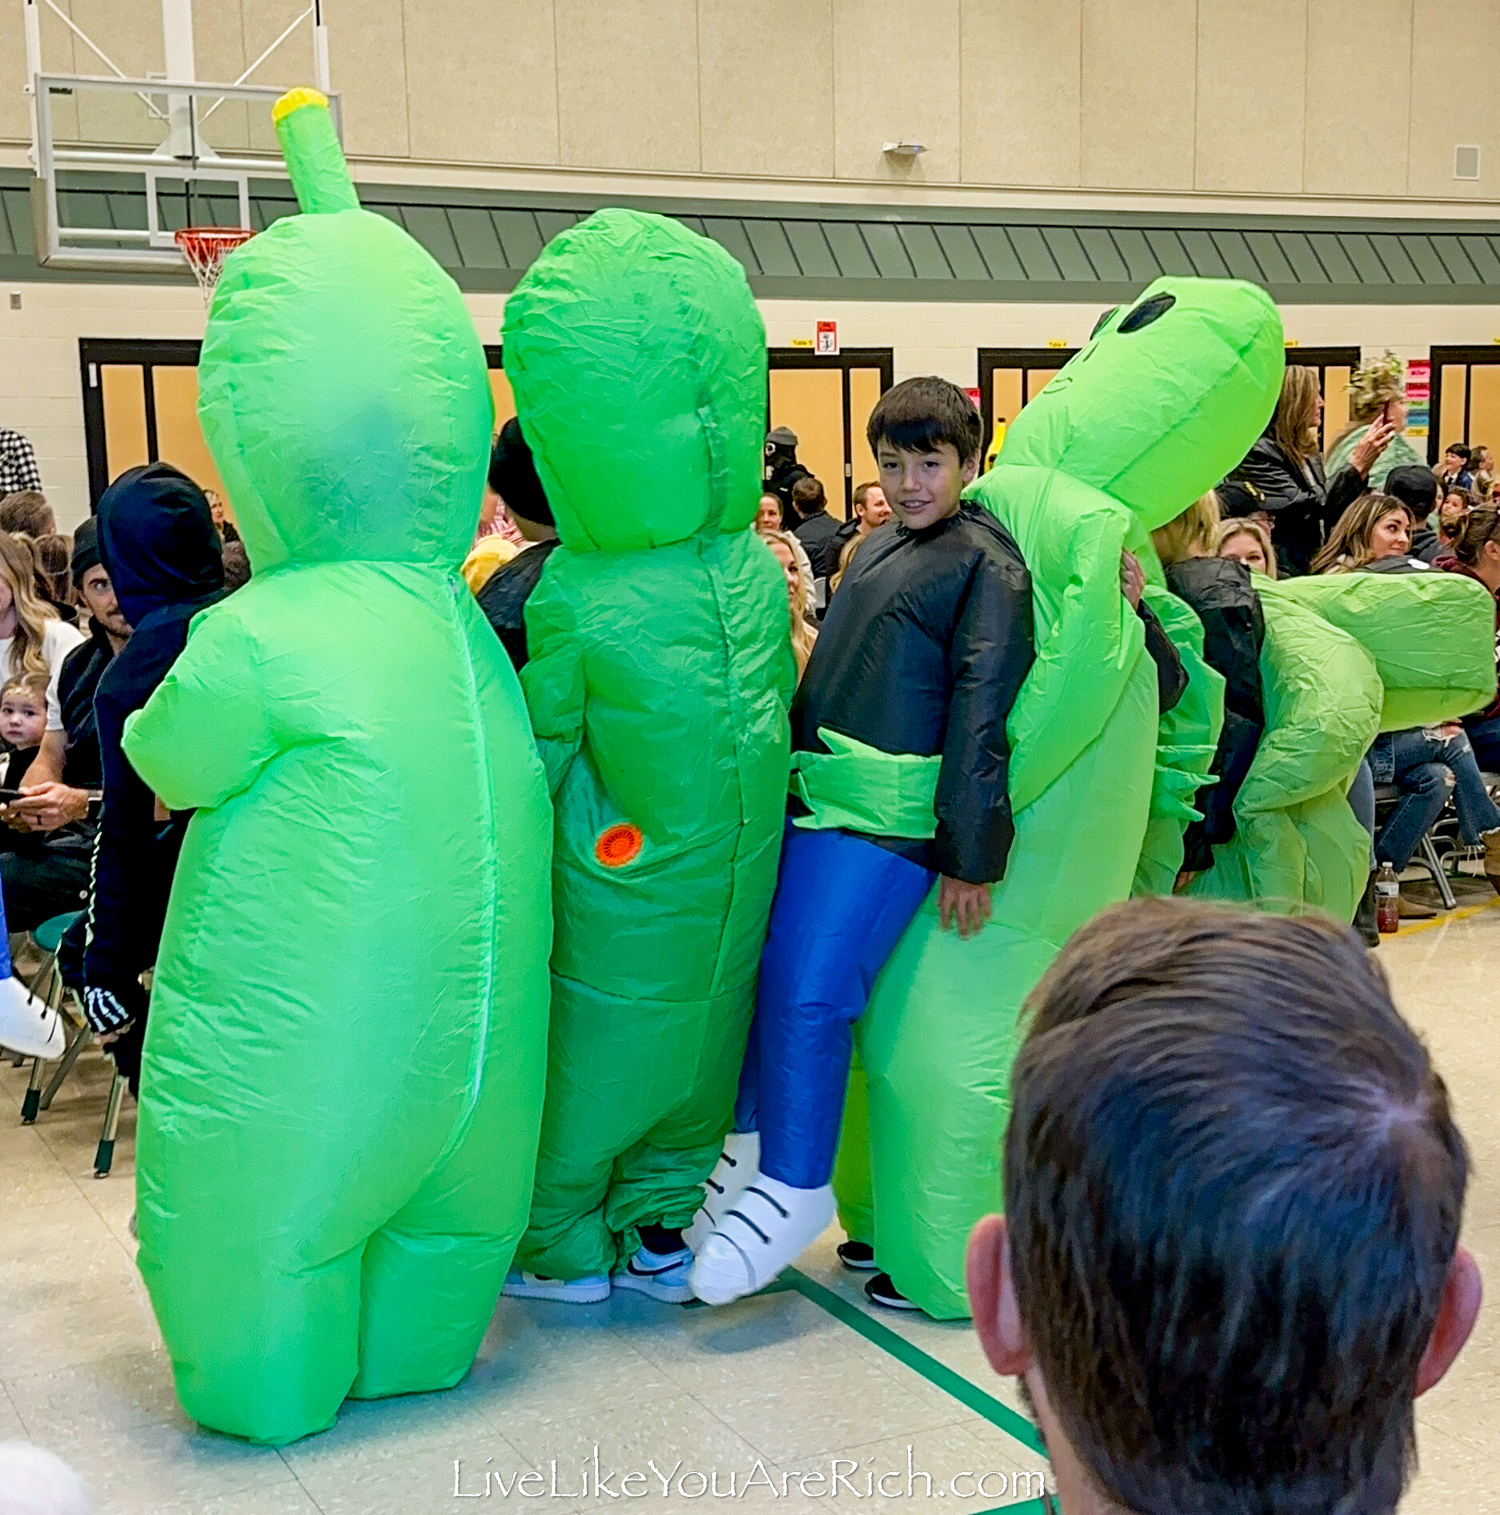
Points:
(346, 1053)
(1346, 656)
(658, 682)
(1164, 399)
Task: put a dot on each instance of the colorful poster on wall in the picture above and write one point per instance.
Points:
(827, 340)
(1418, 397)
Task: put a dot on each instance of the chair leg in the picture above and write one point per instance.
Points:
(31, 1103)
(105, 1157)
(69, 1057)
(1432, 864)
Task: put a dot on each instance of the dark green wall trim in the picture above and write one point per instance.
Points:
(487, 238)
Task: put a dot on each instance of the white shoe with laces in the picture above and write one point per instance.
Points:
(657, 1275)
(763, 1232)
(735, 1168)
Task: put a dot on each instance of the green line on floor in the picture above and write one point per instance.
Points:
(940, 1375)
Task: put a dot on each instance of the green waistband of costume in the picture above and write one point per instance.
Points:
(861, 788)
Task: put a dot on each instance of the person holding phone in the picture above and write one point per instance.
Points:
(1285, 464)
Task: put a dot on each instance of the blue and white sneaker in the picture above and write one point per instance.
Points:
(663, 1277)
(569, 1291)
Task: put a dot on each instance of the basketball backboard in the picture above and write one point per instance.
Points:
(122, 163)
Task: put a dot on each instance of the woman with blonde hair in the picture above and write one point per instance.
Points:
(799, 595)
(1375, 528)
(1247, 542)
(32, 638)
(1285, 464)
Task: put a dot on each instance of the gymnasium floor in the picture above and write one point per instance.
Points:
(788, 1381)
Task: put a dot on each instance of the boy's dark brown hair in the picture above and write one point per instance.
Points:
(919, 415)
(1233, 1188)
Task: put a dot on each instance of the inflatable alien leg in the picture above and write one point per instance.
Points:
(1431, 636)
(853, 1180)
(1296, 840)
(351, 993)
(1187, 735)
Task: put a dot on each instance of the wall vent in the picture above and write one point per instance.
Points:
(1465, 162)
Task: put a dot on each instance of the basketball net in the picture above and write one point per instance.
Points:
(206, 247)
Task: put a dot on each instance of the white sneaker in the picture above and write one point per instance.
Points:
(662, 1276)
(27, 1025)
(571, 1291)
(735, 1168)
(760, 1234)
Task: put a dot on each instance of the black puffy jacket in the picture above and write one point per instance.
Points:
(923, 651)
(503, 598)
(1220, 590)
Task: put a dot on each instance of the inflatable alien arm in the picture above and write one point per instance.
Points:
(1083, 661)
(190, 775)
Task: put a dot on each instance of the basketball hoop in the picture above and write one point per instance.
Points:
(206, 247)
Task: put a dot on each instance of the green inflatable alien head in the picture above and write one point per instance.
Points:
(638, 360)
(342, 384)
(1165, 398)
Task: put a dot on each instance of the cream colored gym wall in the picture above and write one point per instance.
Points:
(1444, 111)
(627, 84)
(1020, 91)
(1359, 62)
(1250, 120)
(491, 100)
(367, 59)
(765, 110)
(869, 36)
(1139, 93)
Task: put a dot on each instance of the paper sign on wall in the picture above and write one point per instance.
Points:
(827, 340)
(977, 396)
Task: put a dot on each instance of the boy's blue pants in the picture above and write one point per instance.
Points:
(841, 906)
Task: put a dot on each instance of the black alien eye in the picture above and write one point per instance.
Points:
(1103, 321)
(1147, 312)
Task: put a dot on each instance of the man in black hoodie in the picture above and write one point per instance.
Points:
(158, 544)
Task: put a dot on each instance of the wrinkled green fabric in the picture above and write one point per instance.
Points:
(861, 788)
(345, 1059)
(658, 684)
(1186, 738)
(1346, 657)
(1136, 426)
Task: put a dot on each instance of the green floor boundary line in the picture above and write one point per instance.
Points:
(940, 1375)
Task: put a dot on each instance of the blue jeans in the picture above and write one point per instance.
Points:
(1419, 765)
(841, 906)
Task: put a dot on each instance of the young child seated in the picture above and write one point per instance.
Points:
(900, 760)
(23, 723)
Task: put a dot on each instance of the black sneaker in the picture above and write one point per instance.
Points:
(881, 1291)
(858, 1256)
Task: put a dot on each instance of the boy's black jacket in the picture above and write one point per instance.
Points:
(923, 649)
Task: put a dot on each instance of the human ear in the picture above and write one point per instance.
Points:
(1462, 1292)
(971, 468)
(992, 1298)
